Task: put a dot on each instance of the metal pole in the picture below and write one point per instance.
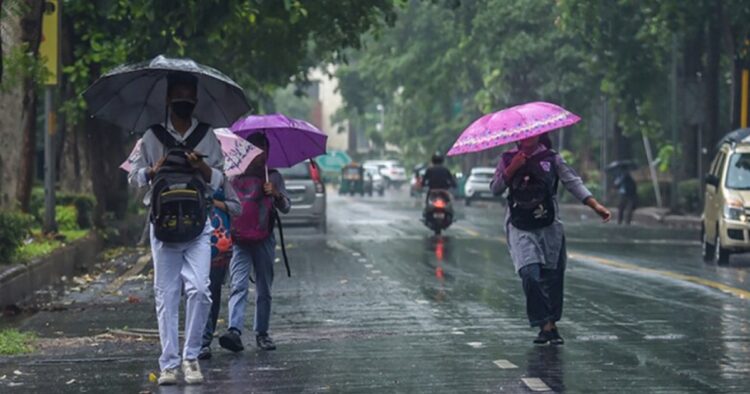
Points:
(652, 169)
(603, 152)
(50, 226)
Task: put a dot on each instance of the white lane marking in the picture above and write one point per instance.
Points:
(666, 337)
(362, 260)
(588, 338)
(369, 265)
(475, 345)
(458, 333)
(356, 254)
(343, 281)
(505, 364)
(375, 272)
(535, 384)
(422, 302)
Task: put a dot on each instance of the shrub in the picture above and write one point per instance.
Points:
(647, 197)
(690, 195)
(84, 205)
(14, 228)
(66, 217)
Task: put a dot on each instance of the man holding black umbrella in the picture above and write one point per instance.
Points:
(181, 164)
(185, 262)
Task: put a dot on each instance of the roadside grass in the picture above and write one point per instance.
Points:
(14, 342)
(42, 246)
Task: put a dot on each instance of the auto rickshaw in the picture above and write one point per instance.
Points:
(352, 179)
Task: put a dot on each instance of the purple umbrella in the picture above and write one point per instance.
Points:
(292, 140)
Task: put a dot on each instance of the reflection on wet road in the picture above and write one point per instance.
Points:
(380, 305)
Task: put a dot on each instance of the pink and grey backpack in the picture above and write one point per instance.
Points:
(256, 221)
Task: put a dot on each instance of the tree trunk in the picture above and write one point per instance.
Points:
(31, 31)
(711, 130)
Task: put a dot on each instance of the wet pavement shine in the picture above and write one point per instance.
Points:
(379, 305)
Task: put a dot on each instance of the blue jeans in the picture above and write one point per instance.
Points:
(544, 291)
(260, 256)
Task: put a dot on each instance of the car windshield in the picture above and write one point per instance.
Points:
(482, 175)
(300, 171)
(738, 174)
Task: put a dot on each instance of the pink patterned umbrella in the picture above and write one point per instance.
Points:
(238, 153)
(511, 125)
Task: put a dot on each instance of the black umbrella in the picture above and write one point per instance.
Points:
(133, 96)
(622, 165)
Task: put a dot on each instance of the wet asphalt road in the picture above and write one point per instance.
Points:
(379, 305)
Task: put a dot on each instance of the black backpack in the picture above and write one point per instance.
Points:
(532, 190)
(180, 198)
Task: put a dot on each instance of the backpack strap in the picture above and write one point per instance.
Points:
(164, 137)
(196, 136)
(168, 141)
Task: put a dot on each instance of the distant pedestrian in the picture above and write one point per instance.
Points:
(628, 192)
(262, 193)
(226, 206)
(536, 240)
(182, 164)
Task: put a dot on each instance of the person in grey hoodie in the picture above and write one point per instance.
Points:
(536, 240)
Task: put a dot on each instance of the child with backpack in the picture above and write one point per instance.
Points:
(262, 193)
(181, 164)
(536, 241)
(226, 206)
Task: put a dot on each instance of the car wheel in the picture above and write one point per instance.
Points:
(707, 250)
(721, 255)
(381, 192)
(323, 225)
(467, 200)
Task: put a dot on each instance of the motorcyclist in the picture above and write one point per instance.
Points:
(437, 177)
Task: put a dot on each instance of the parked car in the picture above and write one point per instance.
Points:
(478, 184)
(391, 170)
(308, 195)
(726, 213)
(375, 180)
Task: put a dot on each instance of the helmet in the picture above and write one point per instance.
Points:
(437, 158)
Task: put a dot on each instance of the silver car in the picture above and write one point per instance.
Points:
(308, 195)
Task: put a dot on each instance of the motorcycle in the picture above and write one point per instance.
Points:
(438, 211)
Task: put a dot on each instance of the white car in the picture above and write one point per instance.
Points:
(391, 170)
(478, 184)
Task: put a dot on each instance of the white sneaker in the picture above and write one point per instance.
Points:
(168, 377)
(192, 372)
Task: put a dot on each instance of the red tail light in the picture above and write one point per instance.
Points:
(314, 172)
(439, 204)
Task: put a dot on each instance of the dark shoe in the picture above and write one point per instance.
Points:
(544, 337)
(556, 338)
(231, 341)
(205, 353)
(265, 342)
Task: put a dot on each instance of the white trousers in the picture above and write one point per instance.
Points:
(178, 265)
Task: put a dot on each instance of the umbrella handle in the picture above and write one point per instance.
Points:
(266, 173)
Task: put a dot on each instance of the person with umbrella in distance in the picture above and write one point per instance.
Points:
(626, 190)
(531, 172)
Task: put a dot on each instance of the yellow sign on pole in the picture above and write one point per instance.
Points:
(744, 98)
(49, 47)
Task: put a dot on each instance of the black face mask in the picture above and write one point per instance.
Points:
(183, 109)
